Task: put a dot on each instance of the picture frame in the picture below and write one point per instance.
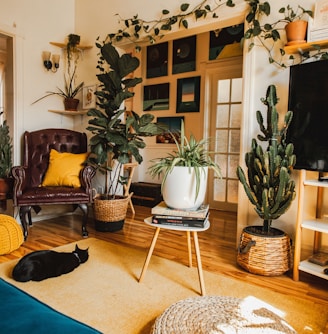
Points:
(157, 60)
(156, 97)
(225, 42)
(89, 97)
(320, 18)
(174, 126)
(188, 94)
(184, 55)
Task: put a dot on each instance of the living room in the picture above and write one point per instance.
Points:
(33, 25)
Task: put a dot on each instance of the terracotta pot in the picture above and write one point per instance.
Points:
(71, 104)
(296, 32)
(4, 188)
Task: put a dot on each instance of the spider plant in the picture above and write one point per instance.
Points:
(189, 153)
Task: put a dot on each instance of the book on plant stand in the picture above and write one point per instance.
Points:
(179, 220)
(163, 210)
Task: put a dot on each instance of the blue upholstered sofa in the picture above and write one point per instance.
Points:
(22, 313)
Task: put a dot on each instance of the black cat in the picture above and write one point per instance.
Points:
(43, 264)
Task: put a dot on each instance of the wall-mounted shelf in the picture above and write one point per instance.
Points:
(304, 47)
(63, 46)
(70, 112)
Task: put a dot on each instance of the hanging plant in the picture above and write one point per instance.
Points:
(266, 35)
(72, 50)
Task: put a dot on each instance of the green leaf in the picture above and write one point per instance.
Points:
(185, 24)
(184, 7)
(165, 12)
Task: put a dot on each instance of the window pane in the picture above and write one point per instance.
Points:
(224, 91)
(221, 160)
(219, 190)
(221, 143)
(232, 191)
(233, 161)
(234, 146)
(236, 90)
(235, 116)
(222, 116)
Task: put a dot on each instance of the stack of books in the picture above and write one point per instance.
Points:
(161, 214)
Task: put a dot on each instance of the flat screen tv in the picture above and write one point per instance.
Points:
(308, 99)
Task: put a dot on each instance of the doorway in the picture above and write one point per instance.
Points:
(225, 112)
(6, 81)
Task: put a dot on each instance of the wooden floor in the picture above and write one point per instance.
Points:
(217, 246)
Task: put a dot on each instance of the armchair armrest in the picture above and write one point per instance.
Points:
(20, 181)
(86, 175)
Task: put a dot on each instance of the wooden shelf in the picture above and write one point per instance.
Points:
(70, 112)
(313, 269)
(320, 225)
(63, 46)
(291, 49)
(317, 224)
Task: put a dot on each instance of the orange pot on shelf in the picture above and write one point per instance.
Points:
(296, 32)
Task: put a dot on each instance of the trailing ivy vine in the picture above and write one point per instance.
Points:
(266, 35)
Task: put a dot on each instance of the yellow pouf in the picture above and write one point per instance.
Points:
(11, 234)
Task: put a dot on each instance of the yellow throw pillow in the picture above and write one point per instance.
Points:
(64, 169)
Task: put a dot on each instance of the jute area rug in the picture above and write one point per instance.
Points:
(105, 293)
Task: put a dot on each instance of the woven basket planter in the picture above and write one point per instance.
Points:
(110, 213)
(264, 255)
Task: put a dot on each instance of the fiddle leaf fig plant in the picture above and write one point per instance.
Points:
(117, 133)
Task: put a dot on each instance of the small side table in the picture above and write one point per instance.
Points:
(187, 229)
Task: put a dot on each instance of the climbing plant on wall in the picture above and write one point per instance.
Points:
(258, 33)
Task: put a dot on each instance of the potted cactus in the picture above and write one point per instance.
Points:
(271, 190)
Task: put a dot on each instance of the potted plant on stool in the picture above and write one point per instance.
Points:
(117, 133)
(185, 172)
(263, 249)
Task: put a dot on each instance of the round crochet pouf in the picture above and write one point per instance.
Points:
(220, 314)
(11, 234)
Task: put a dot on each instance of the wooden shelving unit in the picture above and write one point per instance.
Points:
(291, 49)
(63, 46)
(70, 112)
(317, 224)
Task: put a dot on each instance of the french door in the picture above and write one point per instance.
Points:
(225, 111)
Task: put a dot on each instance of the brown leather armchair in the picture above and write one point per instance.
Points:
(28, 192)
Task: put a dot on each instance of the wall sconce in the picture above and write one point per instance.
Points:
(48, 64)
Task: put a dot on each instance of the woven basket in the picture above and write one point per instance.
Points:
(111, 210)
(264, 255)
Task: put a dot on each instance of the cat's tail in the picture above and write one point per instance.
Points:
(23, 272)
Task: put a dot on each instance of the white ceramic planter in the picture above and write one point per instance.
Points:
(179, 190)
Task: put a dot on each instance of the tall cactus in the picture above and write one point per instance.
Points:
(269, 186)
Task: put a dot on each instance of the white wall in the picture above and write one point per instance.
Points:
(33, 24)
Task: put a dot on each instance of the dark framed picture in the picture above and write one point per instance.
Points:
(174, 127)
(225, 42)
(156, 97)
(157, 56)
(184, 55)
(188, 94)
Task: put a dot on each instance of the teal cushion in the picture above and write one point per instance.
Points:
(22, 313)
